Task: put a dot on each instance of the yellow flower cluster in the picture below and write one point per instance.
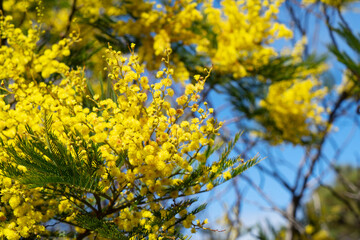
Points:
(21, 210)
(19, 50)
(19, 6)
(162, 148)
(159, 26)
(19, 58)
(293, 106)
(242, 48)
(197, 24)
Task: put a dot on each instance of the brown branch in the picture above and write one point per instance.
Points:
(343, 19)
(273, 205)
(83, 235)
(71, 16)
(327, 22)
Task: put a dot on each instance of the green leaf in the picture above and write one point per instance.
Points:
(104, 228)
(49, 162)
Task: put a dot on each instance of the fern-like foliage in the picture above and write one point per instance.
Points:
(353, 41)
(236, 164)
(50, 162)
(104, 228)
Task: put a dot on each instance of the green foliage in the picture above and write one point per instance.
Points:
(236, 164)
(336, 208)
(103, 228)
(51, 163)
(350, 60)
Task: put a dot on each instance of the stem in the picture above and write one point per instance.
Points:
(83, 235)
(327, 22)
(71, 16)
